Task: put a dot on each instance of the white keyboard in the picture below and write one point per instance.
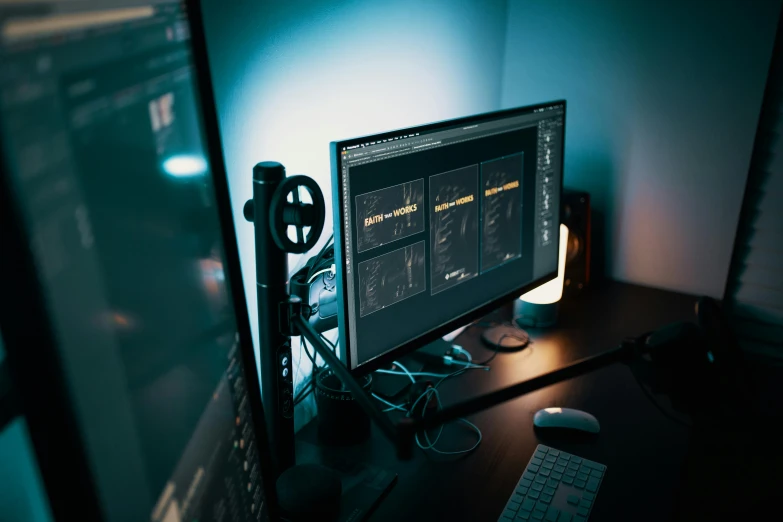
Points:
(556, 486)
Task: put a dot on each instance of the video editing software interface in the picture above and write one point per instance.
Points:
(105, 150)
(438, 223)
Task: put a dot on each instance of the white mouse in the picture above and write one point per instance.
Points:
(566, 419)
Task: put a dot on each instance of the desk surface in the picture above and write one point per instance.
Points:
(643, 449)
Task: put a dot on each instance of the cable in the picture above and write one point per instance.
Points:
(407, 372)
(302, 342)
(462, 452)
(391, 406)
(330, 343)
(304, 395)
(331, 270)
(318, 257)
(436, 375)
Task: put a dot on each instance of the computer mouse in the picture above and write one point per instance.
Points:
(566, 419)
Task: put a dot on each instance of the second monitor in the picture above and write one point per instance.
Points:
(437, 224)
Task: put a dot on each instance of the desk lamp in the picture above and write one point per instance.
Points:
(538, 307)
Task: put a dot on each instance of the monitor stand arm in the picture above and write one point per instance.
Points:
(402, 434)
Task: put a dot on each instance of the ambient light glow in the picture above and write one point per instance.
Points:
(552, 291)
(185, 166)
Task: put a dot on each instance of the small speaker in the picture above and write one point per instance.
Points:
(576, 216)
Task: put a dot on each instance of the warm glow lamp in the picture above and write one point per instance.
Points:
(538, 307)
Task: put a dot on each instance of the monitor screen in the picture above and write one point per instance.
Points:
(105, 153)
(437, 224)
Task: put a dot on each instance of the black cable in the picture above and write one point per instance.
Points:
(655, 403)
(330, 343)
(304, 395)
(317, 258)
(302, 342)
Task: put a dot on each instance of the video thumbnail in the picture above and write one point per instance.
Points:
(391, 278)
(501, 221)
(389, 214)
(454, 234)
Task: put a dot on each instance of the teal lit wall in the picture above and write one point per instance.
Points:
(291, 76)
(22, 496)
(663, 103)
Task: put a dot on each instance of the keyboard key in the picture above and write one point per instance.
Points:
(542, 448)
(574, 466)
(538, 487)
(566, 456)
(573, 500)
(550, 458)
(554, 452)
(552, 483)
(560, 469)
(551, 514)
(529, 476)
(504, 518)
(546, 498)
(576, 460)
(549, 491)
(588, 496)
(539, 455)
(582, 511)
(541, 506)
(536, 461)
(533, 468)
(581, 476)
(584, 469)
(579, 484)
(537, 515)
(556, 476)
(523, 515)
(522, 490)
(509, 513)
(512, 505)
(570, 473)
(595, 465)
(568, 480)
(540, 479)
(564, 517)
(544, 472)
(597, 473)
(592, 485)
(561, 461)
(533, 494)
(585, 503)
(547, 465)
(528, 504)
(525, 483)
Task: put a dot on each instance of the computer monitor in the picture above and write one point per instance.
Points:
(122, 306)
(437, 225)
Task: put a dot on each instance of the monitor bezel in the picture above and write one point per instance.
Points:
(339, 226)
(37, 372)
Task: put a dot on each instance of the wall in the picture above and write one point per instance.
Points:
(291, 76)
(663, 103)
(22, 496)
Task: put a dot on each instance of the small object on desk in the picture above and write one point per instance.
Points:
(566, 419)
(566, 503)
(505, 338)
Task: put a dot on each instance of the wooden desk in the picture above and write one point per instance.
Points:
(643, 449)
